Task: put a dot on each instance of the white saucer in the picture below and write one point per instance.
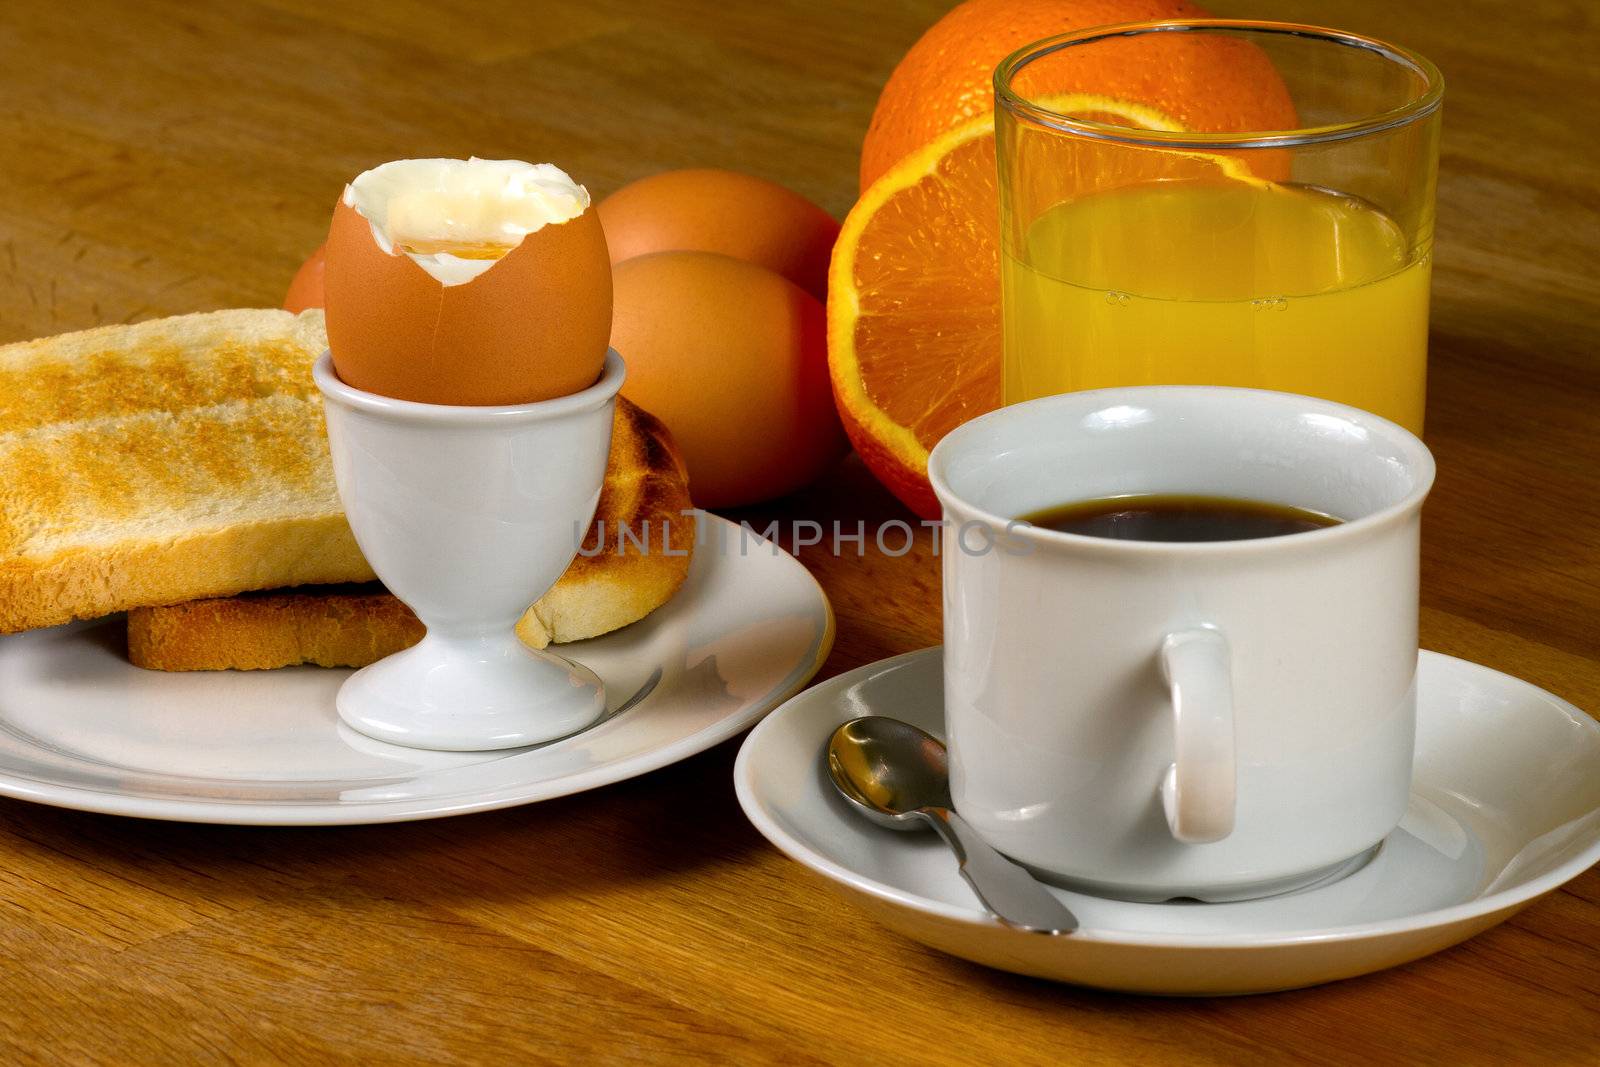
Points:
(80, 727)
(1505, 808)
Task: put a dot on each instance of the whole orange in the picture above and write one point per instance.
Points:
(947, 77)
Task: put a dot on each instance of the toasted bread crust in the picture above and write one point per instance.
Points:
(645, 489)
(274, 630)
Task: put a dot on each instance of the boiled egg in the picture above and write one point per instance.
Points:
(467, 282)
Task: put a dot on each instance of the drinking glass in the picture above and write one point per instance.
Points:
(1149, 238)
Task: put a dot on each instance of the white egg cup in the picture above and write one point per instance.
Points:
(468, 515)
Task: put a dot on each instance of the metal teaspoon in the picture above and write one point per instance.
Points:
(897, 776)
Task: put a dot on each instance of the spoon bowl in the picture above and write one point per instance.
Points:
(890, 770)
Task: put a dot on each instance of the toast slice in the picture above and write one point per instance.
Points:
(156, 463)
(330, 626)
(616, 582)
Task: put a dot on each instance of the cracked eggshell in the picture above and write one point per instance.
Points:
(533, 326)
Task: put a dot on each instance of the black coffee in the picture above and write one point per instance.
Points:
(1172, 517)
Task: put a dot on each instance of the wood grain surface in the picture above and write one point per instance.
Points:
(161, 158)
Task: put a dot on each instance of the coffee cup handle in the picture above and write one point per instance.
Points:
(1197, 791)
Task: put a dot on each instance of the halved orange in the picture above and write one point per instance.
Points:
(914, 287)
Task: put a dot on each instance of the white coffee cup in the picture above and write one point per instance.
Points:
(1152, 719)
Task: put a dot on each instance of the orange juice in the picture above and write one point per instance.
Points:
(1220, 281)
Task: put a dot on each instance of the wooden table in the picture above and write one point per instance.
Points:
(161, 158)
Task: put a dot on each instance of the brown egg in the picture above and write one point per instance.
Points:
(531, 327)
(305, 289)
(733, 359)
(723, 211)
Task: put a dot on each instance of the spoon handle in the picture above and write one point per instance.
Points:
(1007, 890)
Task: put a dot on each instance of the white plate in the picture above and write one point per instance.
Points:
(82, 728)
(1505, 807)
